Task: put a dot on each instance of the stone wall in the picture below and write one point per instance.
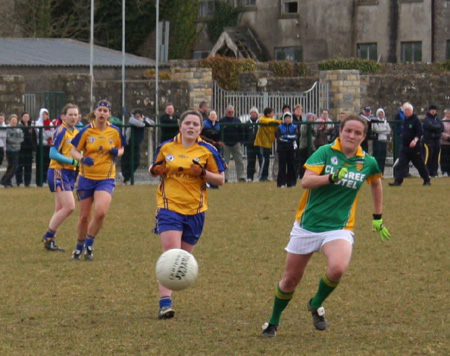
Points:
(11, 89)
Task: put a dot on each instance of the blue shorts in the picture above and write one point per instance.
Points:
(62, 178)
(86, 187)
(190, 225)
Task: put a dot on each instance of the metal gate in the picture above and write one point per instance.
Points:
(312, 100)
(53, 101)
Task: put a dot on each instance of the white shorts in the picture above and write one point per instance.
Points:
(302, 242)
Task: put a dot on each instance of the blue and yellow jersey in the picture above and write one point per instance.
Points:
(179, 191)
(62, 139)
(333, 206)
(96, 144)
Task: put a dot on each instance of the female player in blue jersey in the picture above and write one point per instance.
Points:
(185, 164)
(325, 218)
(101, 142)
(61, 174)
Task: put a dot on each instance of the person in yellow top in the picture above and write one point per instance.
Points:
(101, 142)
(185, 164)
(61, 174)
(265, 138)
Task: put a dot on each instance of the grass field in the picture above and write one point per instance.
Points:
(393, 299)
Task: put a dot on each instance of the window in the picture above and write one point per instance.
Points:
(448, 49)
(411, 52)
(289, 7)
(201, 54)
(293, 54)
(367, 51)
(248, 2)
(206, 9)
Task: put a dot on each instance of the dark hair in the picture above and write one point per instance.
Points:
(267, 111)
(354, 117)
(191, 112)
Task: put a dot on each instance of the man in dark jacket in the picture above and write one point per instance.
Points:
(432, 129)
(410, 147)
(170, 121)
(232, 137)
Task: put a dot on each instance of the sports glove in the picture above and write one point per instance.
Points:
(377, 225)
(114, 151)
(75, 163)
(197, 170)
(338, 175)
(87, 161)
(158, 168)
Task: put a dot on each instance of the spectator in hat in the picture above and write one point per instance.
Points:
(432, 130)
(286, 145)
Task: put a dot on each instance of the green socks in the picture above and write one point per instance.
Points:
(325, 288)
(280, 302)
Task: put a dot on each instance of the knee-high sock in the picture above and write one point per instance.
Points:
(280, 302)
(326, 286)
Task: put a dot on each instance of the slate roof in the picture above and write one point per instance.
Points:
(62, 52)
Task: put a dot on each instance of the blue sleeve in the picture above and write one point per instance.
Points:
(57, 156)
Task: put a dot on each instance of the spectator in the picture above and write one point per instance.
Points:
(170, 121)
(381, 131)
(410, 149)
(307, 134)
(432, 129)
(367, 114)
(253, 152)
(342, 115)
(297, 119)
(211, 133)
(286, 135)
(265, 138)
(43, 159)
(211, 130)
(322, 133)
(233, 136)
(134, 136)
(203, 108)
(14, 138)
(23, 173)
(445, 143)
(3, 133)
(297, 115)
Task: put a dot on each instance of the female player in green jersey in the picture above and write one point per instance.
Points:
(325, 218)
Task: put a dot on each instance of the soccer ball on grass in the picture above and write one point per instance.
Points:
(176, 269)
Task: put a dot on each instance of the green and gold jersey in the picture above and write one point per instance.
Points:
(333, 206)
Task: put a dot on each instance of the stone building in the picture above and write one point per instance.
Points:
(383, 30)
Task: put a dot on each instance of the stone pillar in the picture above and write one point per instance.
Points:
(345, 90)
(199, 81)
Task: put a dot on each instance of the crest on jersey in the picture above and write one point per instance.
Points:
(170, 158)
(359, 165)
(110, 141)
(91, 139)
(334, 160)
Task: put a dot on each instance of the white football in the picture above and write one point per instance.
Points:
(176, 269)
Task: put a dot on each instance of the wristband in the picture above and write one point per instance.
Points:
(330, 178)
(376, 216)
